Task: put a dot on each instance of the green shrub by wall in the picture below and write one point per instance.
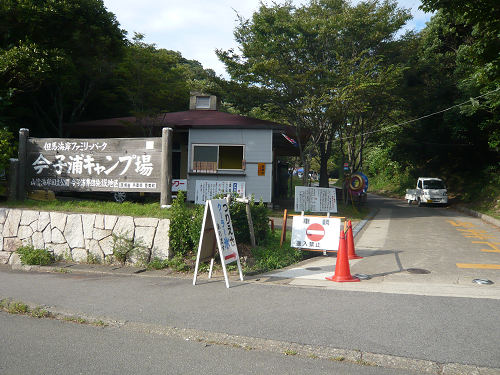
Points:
(186, 222)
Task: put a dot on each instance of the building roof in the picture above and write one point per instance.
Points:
(191, 119)
(197, 119)
(216, 119)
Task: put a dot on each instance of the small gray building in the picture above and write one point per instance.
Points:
(214, 150)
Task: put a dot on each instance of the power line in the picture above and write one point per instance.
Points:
(421, 118)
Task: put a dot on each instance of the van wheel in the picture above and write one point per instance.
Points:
(419, 203)
(120, 196)
(409, 201)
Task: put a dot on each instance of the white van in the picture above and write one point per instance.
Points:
(429, 191)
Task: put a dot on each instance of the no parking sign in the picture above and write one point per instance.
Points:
(316, 233)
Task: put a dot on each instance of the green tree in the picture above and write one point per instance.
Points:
(319, 67)
(477, 62)
(447, 140)
(7, 147)
(153, 81)
(58, 53)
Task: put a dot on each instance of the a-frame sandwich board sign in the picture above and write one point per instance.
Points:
(217, 231)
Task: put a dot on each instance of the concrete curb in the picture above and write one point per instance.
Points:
(318, 352)
(479, 215)
(363, 222)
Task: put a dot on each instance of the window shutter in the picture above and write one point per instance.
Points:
(203, 102)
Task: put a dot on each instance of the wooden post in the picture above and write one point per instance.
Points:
(249, 217)
(283, 228)
(23, 145)
(13, 176)
(250, 224)
(166, 167)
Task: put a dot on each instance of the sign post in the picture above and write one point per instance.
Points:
(166, 167)
(217, 230)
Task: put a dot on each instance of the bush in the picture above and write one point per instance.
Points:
(186, 222)
(124, 248)
(240, 221)
(185, 225)
(31, 256)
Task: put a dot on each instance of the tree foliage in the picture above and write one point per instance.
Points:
(319, 67)
(58, 53)
(451, 97)
(476, 64)
(7, 146)
(153, 81)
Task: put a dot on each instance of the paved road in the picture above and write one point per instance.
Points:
(31, 346)
(401, 237)
(438, 322)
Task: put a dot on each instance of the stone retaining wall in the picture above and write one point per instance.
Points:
(76, 236)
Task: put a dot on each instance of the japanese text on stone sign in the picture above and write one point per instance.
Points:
(85, 164)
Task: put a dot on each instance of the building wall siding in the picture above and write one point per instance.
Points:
(258, 149)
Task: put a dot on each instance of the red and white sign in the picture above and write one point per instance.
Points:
(316, 233)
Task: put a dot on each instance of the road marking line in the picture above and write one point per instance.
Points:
(460, 224)
(492, 244)
(478, 265)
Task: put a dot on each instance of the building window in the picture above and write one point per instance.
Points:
(203, 102)
(211, 158)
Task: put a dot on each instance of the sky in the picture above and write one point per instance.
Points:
(196, 28)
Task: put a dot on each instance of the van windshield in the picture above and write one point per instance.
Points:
(434, 184)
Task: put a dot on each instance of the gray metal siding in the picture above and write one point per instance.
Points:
(258, 149)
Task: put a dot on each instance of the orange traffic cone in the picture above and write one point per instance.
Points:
(351, 252)
(342, 270)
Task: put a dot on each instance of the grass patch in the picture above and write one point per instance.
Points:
(75, 319)
(338, 359)
(78, 320)
(271, 256)
(95, 207)
(39, 313)
(61, 270)
(22, 309)
(18, 308)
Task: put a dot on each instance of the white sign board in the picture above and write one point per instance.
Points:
(178, 185)
(315, 199)
(217, 228)
(316, 233)
(206, 189)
